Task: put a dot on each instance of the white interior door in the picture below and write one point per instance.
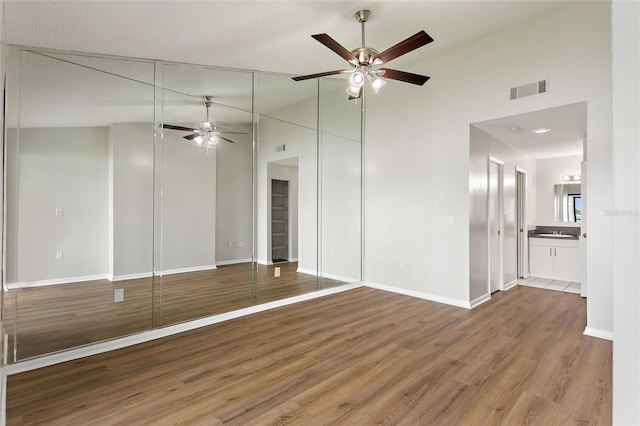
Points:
(521, 226)
(495, 224)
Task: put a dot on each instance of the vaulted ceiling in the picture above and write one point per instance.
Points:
(269, 36)
(258, 35)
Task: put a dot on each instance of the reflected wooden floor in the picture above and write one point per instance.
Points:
(355, 358)
(63, 316)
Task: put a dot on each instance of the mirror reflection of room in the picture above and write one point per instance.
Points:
(145, 200)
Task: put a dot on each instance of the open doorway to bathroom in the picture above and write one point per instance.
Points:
(544, 199)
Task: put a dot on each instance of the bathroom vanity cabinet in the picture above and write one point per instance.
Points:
(556, 259)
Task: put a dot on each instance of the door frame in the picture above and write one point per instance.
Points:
(493, 160)
(522, 264)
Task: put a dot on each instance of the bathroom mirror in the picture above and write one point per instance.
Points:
(567, 202)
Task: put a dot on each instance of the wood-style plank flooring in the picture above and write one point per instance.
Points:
(359, 357)
(64, 316)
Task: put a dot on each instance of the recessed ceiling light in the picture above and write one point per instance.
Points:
(541, 130)
(515, 128)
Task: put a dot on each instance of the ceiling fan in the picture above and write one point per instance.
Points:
(365, 61)
(206, 133)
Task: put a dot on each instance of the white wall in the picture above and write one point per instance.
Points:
(418, 160)
(626, 230)
(188, 185)
(550, 172)
(483, 145)
(58, 168)
(131, 200)
(234, 203)
(340, 210)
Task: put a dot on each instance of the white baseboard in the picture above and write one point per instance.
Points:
(509, 285)
(340, 278)
(480, 300)
(183, 270)
(146, 336)
(270, 262)
(328, 276)
(130, 276)
(598, 332)
(420, 295)
(232, 262)
(56, 281)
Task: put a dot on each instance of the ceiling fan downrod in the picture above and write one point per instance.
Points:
(363, 16)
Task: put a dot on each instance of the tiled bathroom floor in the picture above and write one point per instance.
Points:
(569, 287)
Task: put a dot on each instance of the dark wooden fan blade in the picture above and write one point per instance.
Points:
(404, 76)
(336, 47)
(320, 74)
(225, 139)
(171, 126)
(191, 136)
(405, 46)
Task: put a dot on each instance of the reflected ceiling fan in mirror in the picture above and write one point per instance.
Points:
(365, 61)
(206, 133)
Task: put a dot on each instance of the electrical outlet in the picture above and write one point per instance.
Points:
(240, 243)
(402, 264)
(276, 272)
(118, 295)
(59, 255)
(451, 220)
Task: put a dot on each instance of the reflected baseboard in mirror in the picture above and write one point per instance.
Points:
(64, 316)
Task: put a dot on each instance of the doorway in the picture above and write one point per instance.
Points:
(279, 220)
(494, 226)
(282, 207)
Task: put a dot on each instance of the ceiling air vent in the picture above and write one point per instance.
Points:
(528, 90)
(280, 148)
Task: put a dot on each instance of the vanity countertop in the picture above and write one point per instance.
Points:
(558, 233)
(556, 236)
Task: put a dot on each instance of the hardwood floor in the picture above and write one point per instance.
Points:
(355, 358)
(53, 318)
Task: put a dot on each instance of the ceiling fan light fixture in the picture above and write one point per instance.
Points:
(376, 83)
(354, 91)
(198, 140)
(357, 78)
